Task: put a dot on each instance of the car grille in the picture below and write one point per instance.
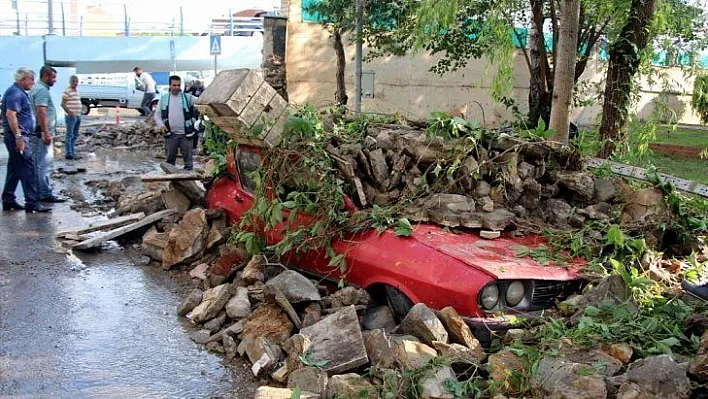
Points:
(545, 293)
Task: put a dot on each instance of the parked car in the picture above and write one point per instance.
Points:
(480, 278)
(110, 90)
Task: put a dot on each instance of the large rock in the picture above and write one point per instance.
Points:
(605, 190)
(213, 302)
(296, 287)
(256, 347)
(621, 352)
(379, 167)
(349, 386)
(699, 365)
(412, 355)
(580, 183)
(337, 339)
(174, 199)
(450, 210)
(309, 379)
(347, 296)
(656, 376)
(457, 353)
(231, 258)
(200, 337)
(282, 393)
(239, 306)
(193, 299)
(502, 364)
(154, 243)
(253, 272)
(268, 321)
(433, 384)
(459, 332)
(496, 220)
(611, 290)
(422, 323)
(379, 317)
(379, 349)
(187, 240)
(644, 207)
(272, 294)
(558, 212)
(562, 378)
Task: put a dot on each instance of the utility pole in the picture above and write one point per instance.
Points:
(26, 25)
(63, 21)
(81, 25)
(50, 16)
(358, 56)
(17, 15)
(231, 23)
(126, 21)
(181, 22)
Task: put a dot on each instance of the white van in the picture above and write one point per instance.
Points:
(109, 90)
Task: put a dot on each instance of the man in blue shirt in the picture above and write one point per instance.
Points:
(41, 140)
(18, 124)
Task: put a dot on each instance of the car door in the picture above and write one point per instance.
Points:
(135, 93)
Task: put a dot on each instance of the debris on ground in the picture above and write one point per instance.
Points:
(140, 134)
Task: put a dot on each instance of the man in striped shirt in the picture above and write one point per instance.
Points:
(71, 102)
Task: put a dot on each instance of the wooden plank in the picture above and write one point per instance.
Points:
(103, 225)
(194, 190)
(176, 176)
(638, 173)
(96, 241)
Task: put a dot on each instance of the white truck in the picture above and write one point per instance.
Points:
(109, 90)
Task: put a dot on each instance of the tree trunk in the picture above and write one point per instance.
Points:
(537, 85)
(340, 96)
(624, 63)
(564, 79)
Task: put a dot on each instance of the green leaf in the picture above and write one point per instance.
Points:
(289, 204)
(592, 311)
(296, 393)
(615, 236)
(671, 341)
(404, 228)
(307, 361)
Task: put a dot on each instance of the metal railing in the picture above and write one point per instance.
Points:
(31, 18)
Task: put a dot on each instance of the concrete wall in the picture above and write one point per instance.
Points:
(28, 51)
(404, 85)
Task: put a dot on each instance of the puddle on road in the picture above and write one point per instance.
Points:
(95, 324)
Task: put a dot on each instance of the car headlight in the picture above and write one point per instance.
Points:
(489, 296)
(514, 293)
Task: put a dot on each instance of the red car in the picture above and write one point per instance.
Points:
(480, 278)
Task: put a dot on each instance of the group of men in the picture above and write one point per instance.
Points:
(29, 125)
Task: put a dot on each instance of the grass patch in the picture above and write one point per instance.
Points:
(687, 137)
(688, 168)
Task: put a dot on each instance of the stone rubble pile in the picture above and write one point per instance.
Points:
(139, 134)
(494, 185)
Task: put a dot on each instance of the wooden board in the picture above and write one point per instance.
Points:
(96, 241)
(638, 173)
(194, 190)
(102, 225)
(176, 176)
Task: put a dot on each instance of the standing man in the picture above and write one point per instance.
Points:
(45, 129)
(18, 125)
(196, 89)
(71, 102)
(175, 117)
(149, 86)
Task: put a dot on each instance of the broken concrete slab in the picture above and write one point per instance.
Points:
(213, 302)
(187, 240)
(337, 339)
(194, 190)
(103, 225)
(412, 355)
(296, 287)
(422, 323)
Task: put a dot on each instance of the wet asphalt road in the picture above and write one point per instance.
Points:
(96, 324)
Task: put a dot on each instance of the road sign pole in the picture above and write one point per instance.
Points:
(215, 64)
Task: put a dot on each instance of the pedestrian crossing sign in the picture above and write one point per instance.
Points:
(215, 44)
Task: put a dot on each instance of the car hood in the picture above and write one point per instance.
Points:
(497, 257)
